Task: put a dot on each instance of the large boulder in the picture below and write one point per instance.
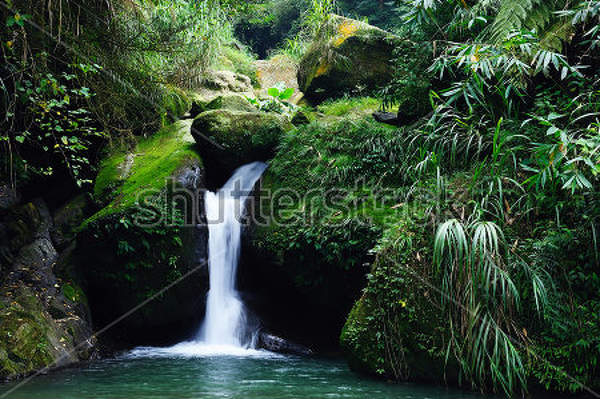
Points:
(145, 238)
(219, 84)
(228, 139)
(346, 56)
(231, 101)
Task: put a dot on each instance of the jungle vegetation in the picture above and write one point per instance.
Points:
(506, 137)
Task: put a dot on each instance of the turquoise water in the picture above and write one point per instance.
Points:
(178, 374)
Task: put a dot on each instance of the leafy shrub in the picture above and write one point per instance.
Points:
(277, 102)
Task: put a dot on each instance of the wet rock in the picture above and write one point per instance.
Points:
(67, 219)
(27, 222)
(40, 327)
(276, 344)
(389, 118)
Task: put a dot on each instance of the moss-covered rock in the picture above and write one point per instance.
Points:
(33, 338)
(228, 139)
(175, 103)
(347, 55)
(68, 218)
(396, 328)
(231, 101)
(40, 327)
(218, 84)
(125, 263)
(145, 237)
(124, 175)
(320, 223)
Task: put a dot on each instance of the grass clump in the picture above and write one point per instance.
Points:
(238, 61)
(350, 106)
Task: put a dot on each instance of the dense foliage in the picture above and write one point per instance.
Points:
(78, 76)
(515, 112)
(484, 254)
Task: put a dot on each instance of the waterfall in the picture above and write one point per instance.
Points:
(225, 321)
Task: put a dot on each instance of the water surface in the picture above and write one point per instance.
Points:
(195, 373)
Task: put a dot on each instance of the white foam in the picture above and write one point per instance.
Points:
(195, 349)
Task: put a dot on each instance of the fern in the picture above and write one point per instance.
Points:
(540, 16)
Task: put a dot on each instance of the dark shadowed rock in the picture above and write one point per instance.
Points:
(276, 344)
(44, 319)
(300, 119)
(386, 117)
(8, 196)
(67, 219)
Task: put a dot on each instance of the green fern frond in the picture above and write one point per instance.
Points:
(531, 15)
(555, 35)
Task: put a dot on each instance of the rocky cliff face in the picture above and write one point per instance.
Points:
(44, 317)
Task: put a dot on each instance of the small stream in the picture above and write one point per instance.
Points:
(153, 374)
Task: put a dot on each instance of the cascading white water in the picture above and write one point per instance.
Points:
(225, 321)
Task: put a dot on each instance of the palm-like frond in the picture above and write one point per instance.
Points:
(531, 15)
(479, 294)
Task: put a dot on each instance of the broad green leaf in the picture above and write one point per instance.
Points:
(287, 94)
(274, 92)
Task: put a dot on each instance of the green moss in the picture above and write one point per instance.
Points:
(241, 136)
(392, 330)
(111, 174)
(339, 154)
(231, 101)
(24, 334)
(74, 293)
(350, 107)
(175, 103)
(395, 329)
(359, 344)
(323, 248)
(124, 176)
